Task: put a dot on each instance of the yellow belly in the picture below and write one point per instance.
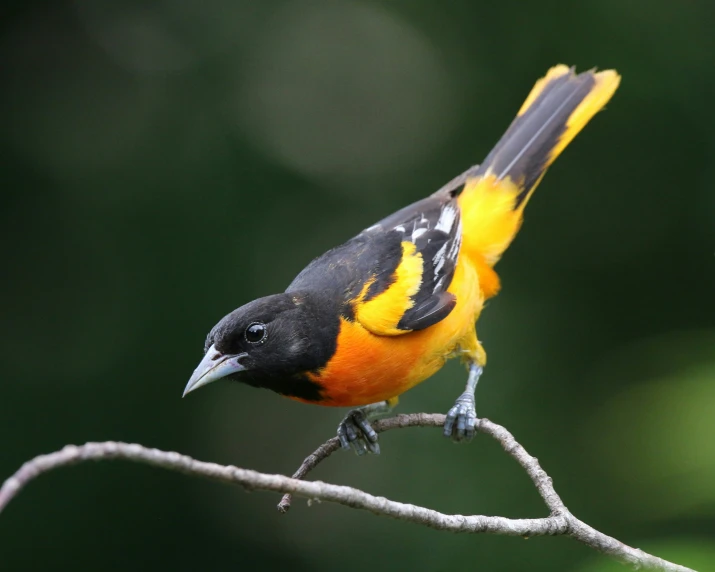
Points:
(367, 368)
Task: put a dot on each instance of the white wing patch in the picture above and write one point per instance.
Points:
(434, 226)
(417, 233)
(457, 242)
(438, 260)
(437, 233)
(447, 218)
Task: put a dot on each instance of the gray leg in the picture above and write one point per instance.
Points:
(355, 430)
(461, 419)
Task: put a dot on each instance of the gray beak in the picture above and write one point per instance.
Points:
(214, 366)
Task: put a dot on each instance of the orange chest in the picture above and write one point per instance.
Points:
(367, 368)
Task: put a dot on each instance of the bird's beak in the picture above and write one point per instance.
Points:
(214, 366)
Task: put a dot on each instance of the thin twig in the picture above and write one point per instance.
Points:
(540, 479)
(310, 462)
(332, 445)
(560, 522)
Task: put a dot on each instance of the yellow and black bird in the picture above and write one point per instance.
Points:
(370, 319)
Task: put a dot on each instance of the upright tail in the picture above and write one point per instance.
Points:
(493, 200)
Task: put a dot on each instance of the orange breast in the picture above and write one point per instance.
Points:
(367, 368)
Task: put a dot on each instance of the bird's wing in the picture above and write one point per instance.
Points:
(415, 254)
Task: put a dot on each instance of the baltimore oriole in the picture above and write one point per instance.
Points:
(370, 319)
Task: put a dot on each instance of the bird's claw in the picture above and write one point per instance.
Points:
(461, 421)
(356, 432)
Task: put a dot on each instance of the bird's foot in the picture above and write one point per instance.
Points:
(355, 431)
(461, 422)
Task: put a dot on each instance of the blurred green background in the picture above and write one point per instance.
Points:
(166, 162)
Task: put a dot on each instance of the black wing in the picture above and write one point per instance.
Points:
(433, 225)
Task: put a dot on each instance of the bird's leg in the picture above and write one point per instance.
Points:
(355, 430)
(462, 418)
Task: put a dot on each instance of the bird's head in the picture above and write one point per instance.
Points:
(271, 342)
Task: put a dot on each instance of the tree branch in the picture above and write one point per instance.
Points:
(560, 521)
(541, 480)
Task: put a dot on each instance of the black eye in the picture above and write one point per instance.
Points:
(256, 333)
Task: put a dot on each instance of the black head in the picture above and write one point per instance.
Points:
(270, 342)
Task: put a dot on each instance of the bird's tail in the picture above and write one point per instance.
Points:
(493, 199)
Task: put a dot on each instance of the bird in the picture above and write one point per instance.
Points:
(371, 318)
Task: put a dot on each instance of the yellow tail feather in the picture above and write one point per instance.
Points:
(558, 107)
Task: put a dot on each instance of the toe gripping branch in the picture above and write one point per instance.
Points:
(355, 430)
(461, 421)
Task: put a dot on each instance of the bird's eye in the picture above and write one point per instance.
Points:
(256, 333)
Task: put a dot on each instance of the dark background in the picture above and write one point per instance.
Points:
(166, 162)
